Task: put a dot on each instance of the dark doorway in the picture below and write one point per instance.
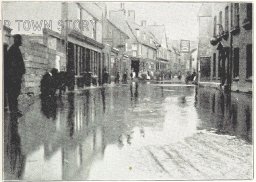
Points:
(135, 66)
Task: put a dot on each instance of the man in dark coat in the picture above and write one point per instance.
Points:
(15, 70)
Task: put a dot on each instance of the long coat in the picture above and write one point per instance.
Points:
(15, 69)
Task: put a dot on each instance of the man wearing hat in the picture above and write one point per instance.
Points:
(15, 70)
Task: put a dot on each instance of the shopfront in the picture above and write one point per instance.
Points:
(85, 64)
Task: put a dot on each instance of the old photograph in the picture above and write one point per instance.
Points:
(158, 90)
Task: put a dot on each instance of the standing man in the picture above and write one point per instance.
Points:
(15, 71)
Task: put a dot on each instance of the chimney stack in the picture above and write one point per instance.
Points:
(131, 15)
(122, 5)
(143, 23)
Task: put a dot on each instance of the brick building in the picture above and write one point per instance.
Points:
(67, 47)
(114, 56)
(162, 55)
(225, 44)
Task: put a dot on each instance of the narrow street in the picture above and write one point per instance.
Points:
(133, 131)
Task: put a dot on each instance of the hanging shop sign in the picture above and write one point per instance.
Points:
(184, 46)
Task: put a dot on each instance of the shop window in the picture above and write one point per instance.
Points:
(81, 60)
(84, 60)
(75, 59)
(249, 61)
(214, 65)
(227, 18)
(236, 63)
(88, 58)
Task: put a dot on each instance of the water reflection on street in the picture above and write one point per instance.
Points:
(111, 132)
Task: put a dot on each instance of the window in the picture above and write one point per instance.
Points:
(134, 53)
(236, 15)
(219, 67)
(140, 47)
(226, 19)
(249, 11)
(236, 63)
(151, 41)
(220, 28)
(126, 46)
(214, 26)
(134, 47)
(87, 62)
(214, 65)
(232, 15)
(76, 60)
(248, 60)
(144, 36)
(138, 33)
(220, 18)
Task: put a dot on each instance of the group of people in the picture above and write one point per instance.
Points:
(53, 81)
(124, 78)
(14, 69)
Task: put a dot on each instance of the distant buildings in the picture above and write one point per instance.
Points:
(85, 39)
(225, 44)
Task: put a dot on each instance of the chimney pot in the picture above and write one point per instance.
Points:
(143, 23)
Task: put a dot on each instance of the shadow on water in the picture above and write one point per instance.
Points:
(14, 166)
(49, 107)
(226, 113)
(88, 125)
(134, 93)
(71, 110)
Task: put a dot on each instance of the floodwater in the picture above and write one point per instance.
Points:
(135, 131)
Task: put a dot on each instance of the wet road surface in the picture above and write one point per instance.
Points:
(134, 131)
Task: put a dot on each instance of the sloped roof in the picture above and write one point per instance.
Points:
(116, 26)
(174, 46)
(143, 30)
(158, 31)
(91, 8)
(121, 23)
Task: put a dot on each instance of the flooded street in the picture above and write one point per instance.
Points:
(138, 131)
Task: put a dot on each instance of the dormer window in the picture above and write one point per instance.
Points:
(151, 41)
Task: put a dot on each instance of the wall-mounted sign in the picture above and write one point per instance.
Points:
(184, 46)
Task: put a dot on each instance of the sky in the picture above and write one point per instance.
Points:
(180, 19)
